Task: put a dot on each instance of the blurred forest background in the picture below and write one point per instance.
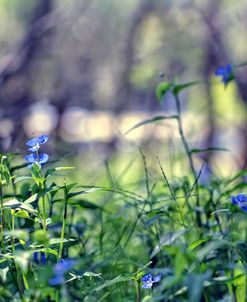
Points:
(85, 71)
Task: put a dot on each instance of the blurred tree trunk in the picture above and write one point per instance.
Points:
(125, 89)
(215, 55)
(14, 74)
(211, 59)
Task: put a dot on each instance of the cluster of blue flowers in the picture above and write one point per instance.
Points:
(241, 201)
(59, 270)
(148, 280)
(226, 72)
(36, 157)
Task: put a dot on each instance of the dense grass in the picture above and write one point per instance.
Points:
(185, 229)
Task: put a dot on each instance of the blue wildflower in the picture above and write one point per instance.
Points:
(56, 280)
(148, 280)
(240, 200)
(34, 158)
(59, 270)
(63, 266)
(35, 143)
(226, 72)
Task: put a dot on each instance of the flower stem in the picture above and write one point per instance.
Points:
(188, 153)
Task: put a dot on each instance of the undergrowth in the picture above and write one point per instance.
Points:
(170, 239)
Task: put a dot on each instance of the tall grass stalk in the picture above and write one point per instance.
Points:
(2, 219)
(65, 209)
(189, 156)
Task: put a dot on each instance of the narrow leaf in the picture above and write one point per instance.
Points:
(212, 149)
(161, 90)
(151, 121)
(181, 87)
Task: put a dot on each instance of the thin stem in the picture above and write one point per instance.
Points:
(188, 153)
(64, 223)
(23, 299)
(25, 281)
(44, 213)
(13, 228)
(2, 219)
(24, 278)
(138, 293)
(172, 193)
(57, 295)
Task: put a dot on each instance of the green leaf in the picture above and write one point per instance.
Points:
(91, 274)
(220, 211)
(179, 87)
(21, 214)
(13, 203)
(41, 193)
(147, 299)
(50, 171)
(87, 191)
(238, 175)
(59, 240)
(151, 121)
(195, 283)
(35, 170)
(84, 204)
(47, 251)
(118, 279)
(240, 284)
(161, 90)
(28, 208)
(213, 245)
(196, 243)
(21, 178)
(212, 149)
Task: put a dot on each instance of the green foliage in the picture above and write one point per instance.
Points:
(163, 87)
(65, 241)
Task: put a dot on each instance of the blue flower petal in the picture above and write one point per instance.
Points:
(243, 207)
(157, 278)
(241, 198)
(147, 285)
(234, 200)
(220, 71)
(36, 257)
(147, 277)
(43, 139)
(43, 158)
(31, 158)
(226, 72)
(56, 280)
(43, 258)
(32, 142)
(63, 266)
